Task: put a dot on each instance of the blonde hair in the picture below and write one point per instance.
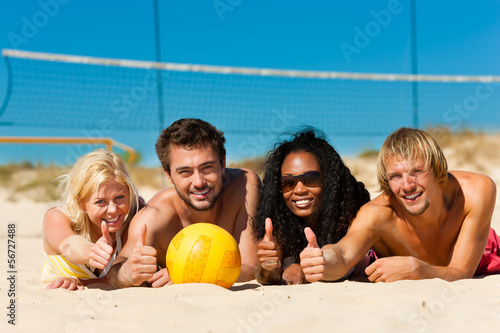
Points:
(84, 179)
(411, 145)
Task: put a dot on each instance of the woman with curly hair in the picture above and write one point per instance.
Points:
(305, 184)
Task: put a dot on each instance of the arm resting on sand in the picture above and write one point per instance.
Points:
(246, 273)
(114, 274)
(76, 249)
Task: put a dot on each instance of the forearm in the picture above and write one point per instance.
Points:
(76, 249)
(115, 275)
(246, 274)
(293, 274)
(396, 268)
(94, 281)
(268, 275)
(336, 265)
(427, 271)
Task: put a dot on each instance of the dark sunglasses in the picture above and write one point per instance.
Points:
(308, 179)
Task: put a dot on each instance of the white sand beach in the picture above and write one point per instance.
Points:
(405, 306)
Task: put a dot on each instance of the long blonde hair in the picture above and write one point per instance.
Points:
(412, 144)
(84, 179)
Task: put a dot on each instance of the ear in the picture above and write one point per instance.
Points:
(169, 177)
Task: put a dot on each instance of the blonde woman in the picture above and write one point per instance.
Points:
(83, 235)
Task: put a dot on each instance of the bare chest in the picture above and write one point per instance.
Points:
(432, 245)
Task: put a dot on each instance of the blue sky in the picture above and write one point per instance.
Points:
(453, 37)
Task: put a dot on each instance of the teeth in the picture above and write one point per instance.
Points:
(111, 221)
(302, 202)
(411, 197)
(201, 192)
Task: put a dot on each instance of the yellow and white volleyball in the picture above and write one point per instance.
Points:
(204, 253)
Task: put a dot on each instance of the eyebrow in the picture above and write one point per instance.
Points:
(392, 173)
(181, 168)
(121, 192)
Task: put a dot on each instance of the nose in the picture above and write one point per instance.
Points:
(300, 188)
(198, 179)
(112, 207)
(409, 182)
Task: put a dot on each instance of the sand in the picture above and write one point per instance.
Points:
(405, 306)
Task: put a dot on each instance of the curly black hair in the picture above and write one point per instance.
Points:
(341, 196)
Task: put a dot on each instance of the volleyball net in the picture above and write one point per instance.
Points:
(100, 94)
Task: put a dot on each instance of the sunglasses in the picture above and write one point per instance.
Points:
(308, 179)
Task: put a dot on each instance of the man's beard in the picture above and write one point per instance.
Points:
(421, 211)
(190, 203)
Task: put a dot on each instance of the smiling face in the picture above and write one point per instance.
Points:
(197, 175)
(110, 203)
(302, 201)
(413, 186)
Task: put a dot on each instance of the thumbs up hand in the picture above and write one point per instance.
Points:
(312, 259)
(268, 268)
(268, 237)
(101, 252)
(267, 250)
(141, 265)
(311, 238)
(141, 240)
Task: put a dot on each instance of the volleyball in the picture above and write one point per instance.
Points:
(204, 253)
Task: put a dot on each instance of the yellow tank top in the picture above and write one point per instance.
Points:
(57, 266)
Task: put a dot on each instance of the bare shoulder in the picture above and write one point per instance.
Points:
(159, 210)
(475, 186)
(160, 217)
(162, 199)
(375, 214)
(472, 178)
(55, 218)
(56, 228)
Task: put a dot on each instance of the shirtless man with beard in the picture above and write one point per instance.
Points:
(193, 157)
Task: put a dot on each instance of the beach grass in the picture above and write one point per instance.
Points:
(465, 149)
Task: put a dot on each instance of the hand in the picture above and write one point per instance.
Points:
(391, 269)
(293, 274)
(267, 251)
(141, 265)
(69, 283)
(101, 252)
(160, 279)
(312, 260)
(268, 268)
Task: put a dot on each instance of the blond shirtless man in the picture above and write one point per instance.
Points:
(193, 157)
(427, 223)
